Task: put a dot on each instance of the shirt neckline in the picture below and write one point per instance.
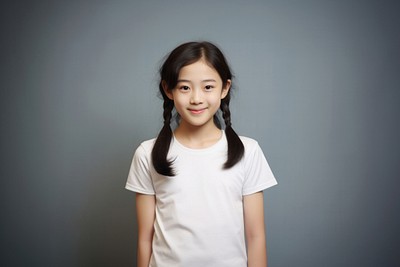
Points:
(214, 146)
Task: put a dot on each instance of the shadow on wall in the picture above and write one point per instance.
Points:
(107, 223)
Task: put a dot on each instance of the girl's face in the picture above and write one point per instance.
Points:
(198, 93)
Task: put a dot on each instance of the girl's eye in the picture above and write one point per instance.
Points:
(209, 87)
(184, 88)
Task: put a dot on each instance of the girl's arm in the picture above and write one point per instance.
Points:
(145, 213)
(255, 230)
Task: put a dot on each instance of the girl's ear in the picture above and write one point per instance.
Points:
(226, 88)
(167, 92)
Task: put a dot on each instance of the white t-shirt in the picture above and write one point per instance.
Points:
(199, 212)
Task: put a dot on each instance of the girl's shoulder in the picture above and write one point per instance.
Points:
(148, 144)
(248, 141)
(251, 146)
(145, 147)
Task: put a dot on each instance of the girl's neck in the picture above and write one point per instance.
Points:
(197, 137)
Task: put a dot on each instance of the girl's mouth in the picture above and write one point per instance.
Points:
(197, 111)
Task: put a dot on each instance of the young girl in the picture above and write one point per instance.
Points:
(199, 197)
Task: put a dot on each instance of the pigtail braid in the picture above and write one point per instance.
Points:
(161, 146)
(235, 145)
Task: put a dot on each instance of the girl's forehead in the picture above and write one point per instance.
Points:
(198, 68)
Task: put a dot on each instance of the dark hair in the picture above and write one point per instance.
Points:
(181, 56)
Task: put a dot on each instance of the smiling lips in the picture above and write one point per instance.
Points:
(197, 111)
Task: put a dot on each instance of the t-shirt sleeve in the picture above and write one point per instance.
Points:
(139, 177)
(258, 174)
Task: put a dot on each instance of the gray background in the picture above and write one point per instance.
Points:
(317, 86)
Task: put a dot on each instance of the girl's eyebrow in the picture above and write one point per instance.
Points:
(188, 81)
(183, 81)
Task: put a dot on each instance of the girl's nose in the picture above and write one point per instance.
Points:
(196, 97)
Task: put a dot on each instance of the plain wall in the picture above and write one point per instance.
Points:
(317, 85)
